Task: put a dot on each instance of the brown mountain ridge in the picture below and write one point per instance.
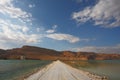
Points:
(37, 53)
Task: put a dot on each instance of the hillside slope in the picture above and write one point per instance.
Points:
(32, 52)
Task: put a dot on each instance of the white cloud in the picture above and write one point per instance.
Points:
(50, 31)
(67, 37)
(14, 32)
(80, 1)
(11, 34)
(54, 26)
(38, 29)
(31, 5)
(5, 2)
(7, 8)
(105, 13)
(104, 49)
(17, 35)
(25, 29)
(53, 29)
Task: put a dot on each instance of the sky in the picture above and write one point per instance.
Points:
(75, 25)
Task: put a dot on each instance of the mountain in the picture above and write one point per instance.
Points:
(32, 52)
(2, 51)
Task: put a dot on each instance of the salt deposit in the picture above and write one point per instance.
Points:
(61, 71)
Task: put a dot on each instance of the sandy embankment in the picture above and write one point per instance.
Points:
(61, 71)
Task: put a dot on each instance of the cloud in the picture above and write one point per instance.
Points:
(31, 5)
(53, 29)
(15, 33)
(12, 35)
(54, 26)
(104, 49)
(105, 13)
(7, 8)
(80, 1)
(38, 29)
(50, 31)
(60, 36)
(25, 29)
(52, 34)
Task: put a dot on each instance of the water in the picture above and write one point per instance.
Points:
(15, 69)
(109, 68)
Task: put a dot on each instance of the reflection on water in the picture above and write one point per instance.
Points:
(110, 68)
(15, 69)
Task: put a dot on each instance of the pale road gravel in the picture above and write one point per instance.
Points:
(61, 71)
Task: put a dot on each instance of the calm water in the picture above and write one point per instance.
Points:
(13, 69)
(109, 68)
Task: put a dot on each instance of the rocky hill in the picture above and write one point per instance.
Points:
(31, 52)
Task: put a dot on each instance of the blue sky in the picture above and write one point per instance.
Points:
(76, 25)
